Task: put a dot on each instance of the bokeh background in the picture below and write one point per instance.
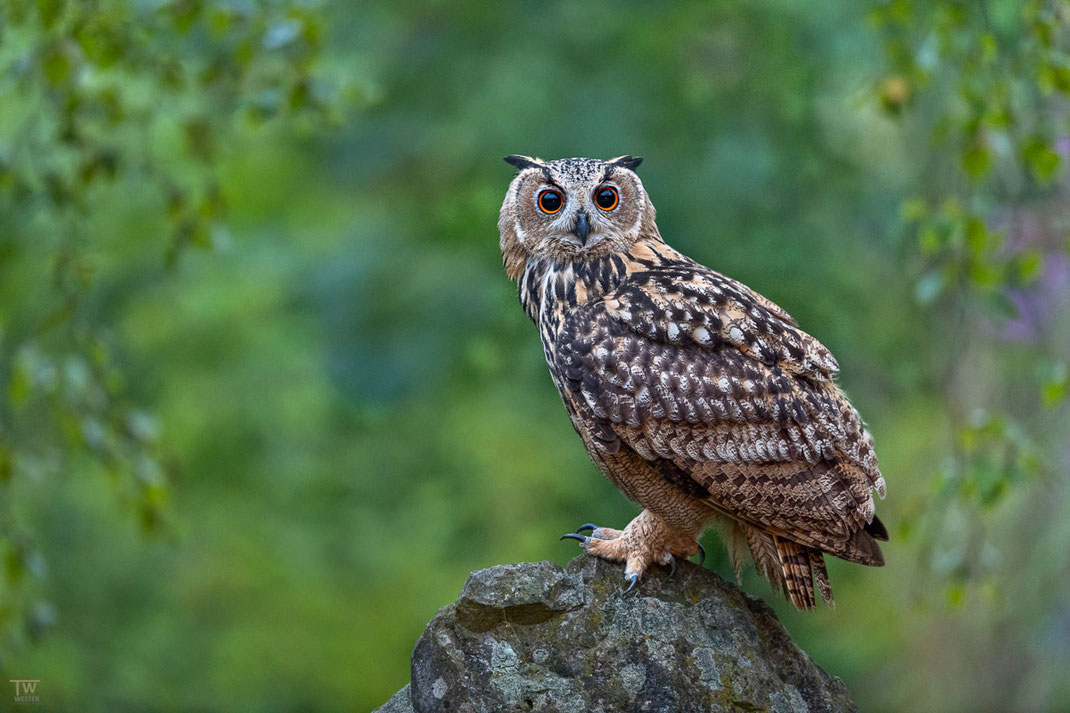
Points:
(267, 397)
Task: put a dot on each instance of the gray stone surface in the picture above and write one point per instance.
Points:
(536, 637)
(400, 702)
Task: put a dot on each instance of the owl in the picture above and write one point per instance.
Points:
(700, 399)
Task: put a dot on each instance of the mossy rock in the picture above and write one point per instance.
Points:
(536, 637)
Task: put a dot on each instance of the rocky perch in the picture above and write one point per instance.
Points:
(536, 637)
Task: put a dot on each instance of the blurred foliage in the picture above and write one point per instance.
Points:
(338, 410)
(987, 83)
(100, 100)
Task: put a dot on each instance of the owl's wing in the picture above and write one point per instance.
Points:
(685, 366)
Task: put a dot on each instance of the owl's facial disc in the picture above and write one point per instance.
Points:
(572, 209)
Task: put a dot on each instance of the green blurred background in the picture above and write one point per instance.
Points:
(268, 396)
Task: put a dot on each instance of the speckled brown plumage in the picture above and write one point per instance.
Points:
(699, 398)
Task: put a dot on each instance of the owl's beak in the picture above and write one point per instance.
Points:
(582, 228)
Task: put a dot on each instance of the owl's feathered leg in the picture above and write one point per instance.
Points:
(646, 540)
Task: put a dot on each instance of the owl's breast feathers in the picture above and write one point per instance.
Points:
(697, 373)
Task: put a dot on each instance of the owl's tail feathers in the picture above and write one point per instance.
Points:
(791, 568)
(862, 547)
(763, 551)
(797, 567)
(821, 576)
(877, 529)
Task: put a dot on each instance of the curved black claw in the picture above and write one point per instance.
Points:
(672, 566)
(633, 578)
(701, 555)
(580, 538)
(589, 526)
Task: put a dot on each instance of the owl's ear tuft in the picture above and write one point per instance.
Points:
(629, 162)
(522, 162)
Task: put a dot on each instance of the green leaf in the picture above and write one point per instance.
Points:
(913, 210)
(956, 595)
(989, 49)
(976, 159)
(987, 277)
(1057, 385)
(49, 11)
(976, 236)
(7, 464)
(200, 139)
(931, 239)
(101, 42)
(185, 13)
(1027, 266)
(1053, 77)
(1043, 161)
(57, 63)
(15, 11)
(14, 568)
(20, 386)
(201, 234)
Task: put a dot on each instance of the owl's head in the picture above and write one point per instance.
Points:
(572, 209)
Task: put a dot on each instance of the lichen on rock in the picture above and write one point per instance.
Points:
(536, 637)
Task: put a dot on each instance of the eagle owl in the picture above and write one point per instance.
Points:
(700, 399)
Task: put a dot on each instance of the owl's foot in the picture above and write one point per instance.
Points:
(646, 540)
(608, 533)
(600, 533)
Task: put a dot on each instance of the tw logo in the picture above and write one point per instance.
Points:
(29, 689)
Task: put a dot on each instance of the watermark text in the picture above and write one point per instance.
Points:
(28, 690)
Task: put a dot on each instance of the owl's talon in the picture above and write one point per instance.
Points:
(583, 540)
(701, 555)
(632, 577)
(600, 533)
(672, 566)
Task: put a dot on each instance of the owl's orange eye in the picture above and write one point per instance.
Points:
(606, 198)
(550, 202)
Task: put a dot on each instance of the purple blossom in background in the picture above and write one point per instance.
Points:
(1041, 228)
(1041, 303)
